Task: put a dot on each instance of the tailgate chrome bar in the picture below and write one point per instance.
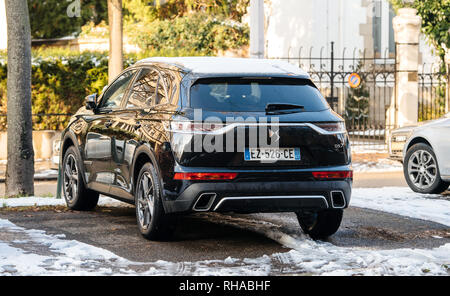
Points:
(231, 126)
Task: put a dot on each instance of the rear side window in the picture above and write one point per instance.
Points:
(143, 92)
(253, 95)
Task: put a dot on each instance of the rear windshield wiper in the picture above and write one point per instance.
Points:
(276, 108)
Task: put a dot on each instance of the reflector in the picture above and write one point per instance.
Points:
(333, 175)
(205, 176)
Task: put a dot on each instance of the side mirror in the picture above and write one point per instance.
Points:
(91, 102)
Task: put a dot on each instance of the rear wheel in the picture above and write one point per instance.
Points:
(421, 170)
(153, 222)
(320, 224)
(77, 195)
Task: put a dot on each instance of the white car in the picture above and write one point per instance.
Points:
(426, 164)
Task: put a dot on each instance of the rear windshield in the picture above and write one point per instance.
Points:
(253, 95)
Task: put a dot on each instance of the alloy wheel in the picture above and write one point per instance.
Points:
(146, 200)
(70, 178)
(422, 169)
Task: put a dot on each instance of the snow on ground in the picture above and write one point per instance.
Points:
(370, 132)
(382, 165)
(403, 201)
(52, 201)
(46, 174)
(322, 258)
(33, 252)
(362, 146)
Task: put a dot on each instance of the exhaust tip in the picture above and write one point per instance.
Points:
(204, 202)
(337, 199)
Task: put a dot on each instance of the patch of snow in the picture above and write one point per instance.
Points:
(370, 132)
(52, 201)
(369, 149)
(47, 174)
(403, 201)
(360, 147)
(60, 256)
(382, 165)
(57, 256)
(222, 65)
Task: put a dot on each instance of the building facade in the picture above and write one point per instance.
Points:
(294, 25)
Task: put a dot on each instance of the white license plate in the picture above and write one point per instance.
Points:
(272, 154)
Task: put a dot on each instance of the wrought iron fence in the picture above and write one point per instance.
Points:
(364, 108)
(433, 102)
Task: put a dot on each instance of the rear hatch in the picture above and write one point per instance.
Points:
(258, 123)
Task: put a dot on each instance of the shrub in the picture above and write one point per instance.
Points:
(59, 85)
(197, 33)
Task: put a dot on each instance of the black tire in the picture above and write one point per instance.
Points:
(320, 224)
(159, 225)
(77, 195)
(429, 166)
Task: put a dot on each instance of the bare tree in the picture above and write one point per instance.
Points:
(20, 167)
(115, 38)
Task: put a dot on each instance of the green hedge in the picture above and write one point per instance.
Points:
(59, 85)
(198, 32)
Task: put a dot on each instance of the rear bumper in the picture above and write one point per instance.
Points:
(257, 197)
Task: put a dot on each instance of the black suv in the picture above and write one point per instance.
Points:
(183, 135)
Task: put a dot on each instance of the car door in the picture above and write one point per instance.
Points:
(441, 143)
(125, 140)
(98, 147)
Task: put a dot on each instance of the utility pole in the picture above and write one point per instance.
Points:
(20, 165)
(257, 29)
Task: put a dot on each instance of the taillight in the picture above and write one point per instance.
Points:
(205, 176)
(332, 126)
(333, 175)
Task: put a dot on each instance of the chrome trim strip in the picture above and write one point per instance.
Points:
(208, 206)
(270, 197)
(343, 197)
(231, 126)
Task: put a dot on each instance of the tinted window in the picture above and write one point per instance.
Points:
(114, 94)
(143, 92)
(167, 87)
(253, 95)
(161, 97)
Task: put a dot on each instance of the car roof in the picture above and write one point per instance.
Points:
(219, 66)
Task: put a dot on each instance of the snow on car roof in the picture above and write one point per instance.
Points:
(218, 65)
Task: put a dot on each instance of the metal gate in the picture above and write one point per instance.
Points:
(364, 108)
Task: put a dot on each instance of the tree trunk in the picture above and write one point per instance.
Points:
(115, 39)
(20, 166)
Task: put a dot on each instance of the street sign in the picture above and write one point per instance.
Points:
(354, 80)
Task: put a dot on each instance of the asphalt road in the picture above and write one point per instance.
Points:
(214, 236)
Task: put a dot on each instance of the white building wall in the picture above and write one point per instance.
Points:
(305, 23)
(3, 35)
(292, 24)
